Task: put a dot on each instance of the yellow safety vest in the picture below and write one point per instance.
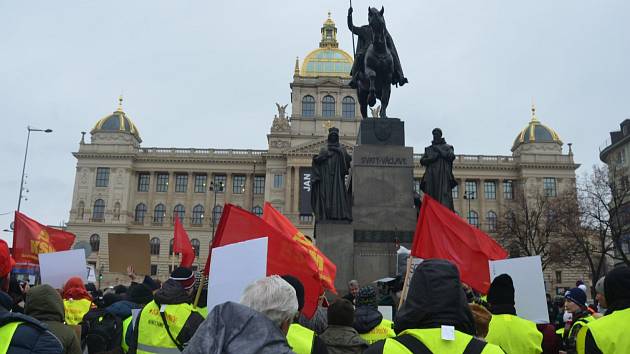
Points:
(203, 311)
(384, 330)
(432, 339)
(152, 335)
(75, 310)
(126, 323)
(300, 339)
(582, 321)
(514, 334)
(610, 332)
(6, 334)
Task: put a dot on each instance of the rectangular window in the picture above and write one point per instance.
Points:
(490, 189)
(558, 276)
(219, 183)
(471, 190)
(161, 182)
(259, 185)
(455, 192)
(102, 176)
(306, 219)
(238, 184)
(181, 183)
(416, 185)
(200, 183)
(549, 187)
(278, 181)
(154, 269)
(143, 182)
(508, 189)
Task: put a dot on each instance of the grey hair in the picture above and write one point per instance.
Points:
(273, 297)
(599, 286)
(353, 281)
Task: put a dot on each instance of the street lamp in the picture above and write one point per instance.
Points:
(28, 137)
(468, 195)
(219, 188)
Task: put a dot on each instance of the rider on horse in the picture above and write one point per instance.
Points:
(365, 39)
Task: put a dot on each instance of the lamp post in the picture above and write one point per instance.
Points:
(468, 195)
(28, 137)
(219, 188)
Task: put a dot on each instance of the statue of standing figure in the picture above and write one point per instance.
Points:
(329, 196)
(438, 180)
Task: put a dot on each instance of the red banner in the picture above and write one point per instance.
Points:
(326, 268)
(31, 238)
(440, 233)
(284, 255)
(181, 245)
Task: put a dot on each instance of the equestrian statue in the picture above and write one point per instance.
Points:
(376, 63)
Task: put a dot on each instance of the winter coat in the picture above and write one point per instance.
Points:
(122, 309)
(233, 328)
(366, 318)
(45, 304)
(343, 340)
(318, 322)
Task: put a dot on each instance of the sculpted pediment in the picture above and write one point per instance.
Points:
(313, 147)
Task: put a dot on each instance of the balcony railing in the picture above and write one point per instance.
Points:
(201, 152)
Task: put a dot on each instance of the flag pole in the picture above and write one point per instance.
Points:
(354, 53)
(199, 288)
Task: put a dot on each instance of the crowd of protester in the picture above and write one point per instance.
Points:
(438, 315)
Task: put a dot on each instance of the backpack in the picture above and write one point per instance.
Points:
(104, 331)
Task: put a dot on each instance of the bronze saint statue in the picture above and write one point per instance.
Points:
(329, 196)
(438, 180)
(376, 63)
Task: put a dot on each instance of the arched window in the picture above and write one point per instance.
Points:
(117, 211)
(158, 213)
(257, 210)
(491, 218)
(95, 242)
(216, 213)
(473, 218)
(99, 210)
(347, 107)
(155, 246)
(308, 106)
(141, 210)
(328, 106)
(170, 247)
(80, 210)
(179, 211)
(197, 215)
(195, 245)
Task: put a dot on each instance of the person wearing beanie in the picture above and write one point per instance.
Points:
(600, 296)
(575, 304)
(301, 339)
(435, 308)
(168, 321)
(609, 334)
(513, 334)
(340, 337)
(368, 321)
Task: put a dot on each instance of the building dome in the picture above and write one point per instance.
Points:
(328, 59)
(117, 122)
(536, 132)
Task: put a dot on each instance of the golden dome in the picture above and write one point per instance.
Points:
(328, 59)
(536, 132)
(117, 122)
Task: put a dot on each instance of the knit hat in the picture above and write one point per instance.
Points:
(139, 294)
(577, 296)
(184, 277)
(599, 286)
(6, 261)
(501, 291)
(150, 283)
(299, 289)
(367, 297)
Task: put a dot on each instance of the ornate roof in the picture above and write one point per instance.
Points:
(118, 121)
(328, 59)
(536, 132)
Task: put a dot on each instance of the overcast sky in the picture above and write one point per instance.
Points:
(207, 74)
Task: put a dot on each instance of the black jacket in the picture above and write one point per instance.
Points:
(366, 318)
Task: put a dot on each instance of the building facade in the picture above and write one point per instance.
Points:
(121, 186)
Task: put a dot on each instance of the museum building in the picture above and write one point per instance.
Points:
(124, 187)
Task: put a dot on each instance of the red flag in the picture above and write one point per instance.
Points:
(440, 233)
(327, 269)
(181, 245)
(31, 238)
(284, 255)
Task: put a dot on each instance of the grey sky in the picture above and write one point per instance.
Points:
(207, 74)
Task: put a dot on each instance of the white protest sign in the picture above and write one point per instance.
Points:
(387, 312)
(233, 267)
(91, 274)
(57, 267)
(529, 286)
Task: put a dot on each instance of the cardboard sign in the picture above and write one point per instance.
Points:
(529, 286)
(233, 267)
(412, 263)
(129, 250)
(57, 267)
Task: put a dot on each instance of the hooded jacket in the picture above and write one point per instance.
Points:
(366, 319)
(45, 304)
(233, 328)
(343, 340)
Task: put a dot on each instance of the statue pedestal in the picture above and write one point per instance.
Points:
(335, 241)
